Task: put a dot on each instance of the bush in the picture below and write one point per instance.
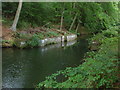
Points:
(52, 34)
(100, 68)
(33, 41)
(23, 25)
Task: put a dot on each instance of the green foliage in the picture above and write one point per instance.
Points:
(18, 35)
(4, 41)
(99, 69)
(109, 33)
(111, 9)
(6, 22)
(94, 16)
(8, 9)
(73, 31)
(52, 34)
(7, 43)
(98, 16)
(39, 35)
(33, 41)
(23, 25)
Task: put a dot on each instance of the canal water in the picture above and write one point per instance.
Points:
(25, 68)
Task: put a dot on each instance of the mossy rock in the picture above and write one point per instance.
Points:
(94, 46)
(7, 43)
(20, 43)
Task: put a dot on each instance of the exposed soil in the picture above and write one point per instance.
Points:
(43, 30)
(6, 33)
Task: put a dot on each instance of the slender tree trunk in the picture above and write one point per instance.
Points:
(74, 5)
(61, 21)
(71, 10)
(16, 16)
(77, 27)
(73, 22)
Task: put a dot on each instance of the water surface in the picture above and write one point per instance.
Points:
(24, 68)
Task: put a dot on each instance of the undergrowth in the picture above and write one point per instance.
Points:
(100, 69)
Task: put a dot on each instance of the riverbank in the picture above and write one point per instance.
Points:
(34, 64)
(100, 67)
(35, 37)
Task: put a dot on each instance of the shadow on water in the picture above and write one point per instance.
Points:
(26, 68)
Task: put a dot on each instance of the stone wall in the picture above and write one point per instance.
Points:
(47, 41)
(57, 39)
(58, 45)
(71, 37)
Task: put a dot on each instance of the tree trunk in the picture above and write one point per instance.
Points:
(74, 5)
(77, 27)
(16, 16)
(73, 22)
(61, 21)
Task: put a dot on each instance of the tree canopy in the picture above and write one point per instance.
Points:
(94, 16)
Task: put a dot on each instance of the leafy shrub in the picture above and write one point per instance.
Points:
(39, 35)
(110, 33)
(23, 25)
(6, 43)
(100, 68)
(73, 31)
(34, 41)
(52, 34)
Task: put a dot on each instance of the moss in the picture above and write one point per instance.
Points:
(7, 43)
(20, 43)
(22, 39)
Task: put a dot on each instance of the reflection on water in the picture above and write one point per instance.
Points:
(26, 68)
(58, 45)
